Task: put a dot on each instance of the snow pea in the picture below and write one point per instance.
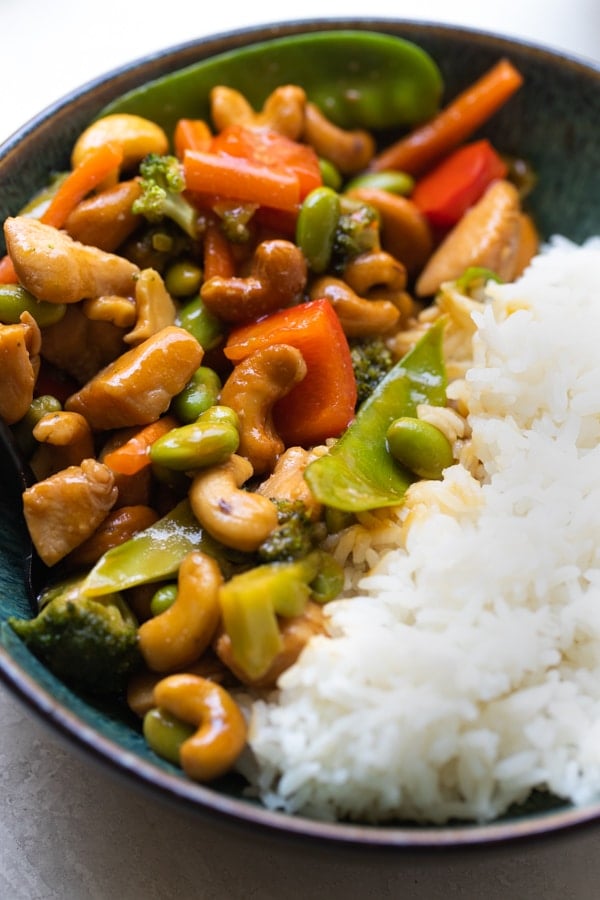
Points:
(359, 473)
(357, 78)
(154, 554)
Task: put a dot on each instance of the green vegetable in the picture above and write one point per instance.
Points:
(419, 446)
(357, 78)
(359, 472)
(357, 232)
(295, 536)
(151, 555)
(330, 174)
(183, 278)
(391, 181)
(91, 644)
(316, 227)
(15, 300)
(206, 328)
(162, 185)
(474, 278)
(163, 599)
(165, 734)
(205, 442)
(23, 430)
(371, 361)
(251, 602)
(199, 394)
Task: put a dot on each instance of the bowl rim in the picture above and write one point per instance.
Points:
(67, 725)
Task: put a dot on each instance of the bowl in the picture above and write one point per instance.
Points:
(552, 121)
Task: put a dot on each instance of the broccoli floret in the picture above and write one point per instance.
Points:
(295, 536)
(162, 184)
(371, 361)
(90, 643)
(357, 232)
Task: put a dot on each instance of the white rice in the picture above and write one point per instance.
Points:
(466, 671)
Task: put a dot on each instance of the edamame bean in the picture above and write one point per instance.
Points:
(165, 734)
(330, 174)
(163, 599)
(316, 226)
(419, 446)
(183, 278)
(194, 446)
(198, 395)
(206, 328)
(393, 182)
(15, 300)
(221, 414)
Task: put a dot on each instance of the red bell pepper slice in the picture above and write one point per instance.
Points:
(448, 190)
(322, 404)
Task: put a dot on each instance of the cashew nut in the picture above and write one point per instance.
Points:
(282, 111)
(20, 345)
(138, 387)
(405, 232)
(252, 389)
(359, 317)
(140, 687)
(65, 438)
(349, 151)
(486, 236)
(119, 311)
(377, 275)
(105, 220)
(277, 279)
(180, 635)
(222, 730)
(237, 518)
(54, 267)
(295, 633)
(155, 307)
(135, 135)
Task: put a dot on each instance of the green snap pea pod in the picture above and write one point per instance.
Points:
(359, 473)
(392, 181)
(15, 300)
(206, 328)
(165, 734)
(195, 446)
(357, 78)
(154, 554)
(316, 226)
(163, 599)
(419, 446)
(201, 392)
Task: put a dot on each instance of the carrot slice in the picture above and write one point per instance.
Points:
(218, 258)
(134, 455)
(424, 146)
(191, 134)
(97, 164)
(238, 178)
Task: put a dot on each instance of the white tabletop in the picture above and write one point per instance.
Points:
(68, 829)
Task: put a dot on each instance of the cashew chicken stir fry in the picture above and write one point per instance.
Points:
(195, 330)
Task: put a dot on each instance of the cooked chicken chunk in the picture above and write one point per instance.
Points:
(65, 509)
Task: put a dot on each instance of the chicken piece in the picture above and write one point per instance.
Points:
(79, 346)
(138, 387)
(65, 509)
(105, 220)
(287, 482)
(19, 364)
(487, 236)
(54, 267)
(64, 439)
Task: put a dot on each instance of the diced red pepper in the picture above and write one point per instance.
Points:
(322, 404)
(448, 190)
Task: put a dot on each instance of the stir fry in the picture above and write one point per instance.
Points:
(220, 346)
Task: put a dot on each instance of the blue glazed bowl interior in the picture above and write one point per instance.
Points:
(553, 122)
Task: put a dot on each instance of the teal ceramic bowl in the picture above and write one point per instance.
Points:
(553, 121)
